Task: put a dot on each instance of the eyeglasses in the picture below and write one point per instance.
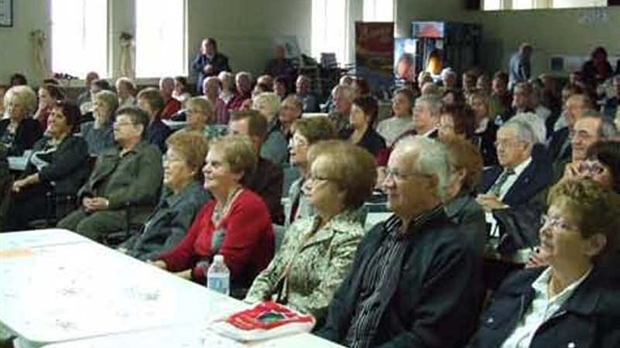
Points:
(297, 143)
(397, 175)
(121, 123)
(556, 223)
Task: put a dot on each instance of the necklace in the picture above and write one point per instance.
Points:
(221, 208)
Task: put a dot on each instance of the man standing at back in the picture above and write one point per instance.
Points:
(415, 281)
(208, 62)
(520, 68)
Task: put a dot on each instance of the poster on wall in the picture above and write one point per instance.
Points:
(374, 53)
(404, 59)
(6, 13)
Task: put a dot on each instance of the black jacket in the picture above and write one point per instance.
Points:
(218, 61)
(27, 133)
(68, 166)
(590, 318)
(437, 300)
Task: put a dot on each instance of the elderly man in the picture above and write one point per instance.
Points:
(208, 62)
(243, 85)
(524, 100)
(415, 281)
(171, 105)
(128, 174)
(559, 142)
(520, 68)
(518, 178)
(343, 96)
(589, 128)
(308, 100)
(267, 179)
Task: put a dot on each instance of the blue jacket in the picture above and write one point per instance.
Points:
(219, 62)
(590, 318)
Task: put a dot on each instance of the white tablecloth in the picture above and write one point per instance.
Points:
(64, 292)
(39, 238)
(191, 336)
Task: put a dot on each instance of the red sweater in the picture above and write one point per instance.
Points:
(247, 246)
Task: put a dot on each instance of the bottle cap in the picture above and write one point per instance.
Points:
(218, 258)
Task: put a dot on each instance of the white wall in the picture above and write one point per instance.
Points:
(244, 30)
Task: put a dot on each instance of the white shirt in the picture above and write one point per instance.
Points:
(504, 190)
(541, 309)
(513, 178)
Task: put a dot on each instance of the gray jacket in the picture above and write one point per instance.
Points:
(167, 226)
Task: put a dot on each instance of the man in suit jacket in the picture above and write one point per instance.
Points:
(266, 179)
(128, 174)
(415, 281)
(518, 178)
(559, 142)
(208, 62)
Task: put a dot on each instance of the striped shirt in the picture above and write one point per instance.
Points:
(380, 278)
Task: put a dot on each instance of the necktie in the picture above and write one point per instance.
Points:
(501, 180)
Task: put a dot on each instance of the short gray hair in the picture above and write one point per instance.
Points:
(109, 98)
(536, 123)
(433, 103)
(525, 133)
(432, 159)
(607, 128)
(348, 92)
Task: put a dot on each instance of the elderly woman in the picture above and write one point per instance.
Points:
(391, 128)
(484, 135)
(460, 205)
(456, 121)
(290, 111)
(19, 132)
(200, 113)
(126, 90)
(235, 224)
(361, 120)
(99, 134)
(426, 114)
(274, 145)
(211, 88)
(317, 251)
(307, 132)
(227, 81)
(182, 197)
(575, 299)
(48, 96)
(58, 165)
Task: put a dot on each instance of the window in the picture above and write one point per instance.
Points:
(160, 38)
(79, 37)
(378, 11)
(492, 5)
(329, 28)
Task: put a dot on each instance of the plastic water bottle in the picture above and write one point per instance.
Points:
(218, 276)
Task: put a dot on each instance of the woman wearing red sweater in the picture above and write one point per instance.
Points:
(235, 224)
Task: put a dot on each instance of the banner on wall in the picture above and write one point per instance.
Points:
(374, 53)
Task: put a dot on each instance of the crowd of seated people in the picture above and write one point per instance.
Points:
(475, 174)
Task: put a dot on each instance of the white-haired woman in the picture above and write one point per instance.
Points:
(274, 147)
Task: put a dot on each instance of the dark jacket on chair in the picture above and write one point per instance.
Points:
(156, 133)
(590, 318)
(266, 181)
(437, 298)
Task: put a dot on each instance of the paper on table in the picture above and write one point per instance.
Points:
(5, 254)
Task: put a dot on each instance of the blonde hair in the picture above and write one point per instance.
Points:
(351, 167)
(24, 96)
(202, 104)
(269, 99)
(192, 146)
(237, 151)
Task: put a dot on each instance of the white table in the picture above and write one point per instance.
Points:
(38, 238)
(194, 336)
(60, 289)
(65, 292)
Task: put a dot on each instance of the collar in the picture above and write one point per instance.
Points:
(521, 167)
(541, 285)
(429, 218)
(429, 132)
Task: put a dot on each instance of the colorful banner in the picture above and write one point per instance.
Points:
(374, 53)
